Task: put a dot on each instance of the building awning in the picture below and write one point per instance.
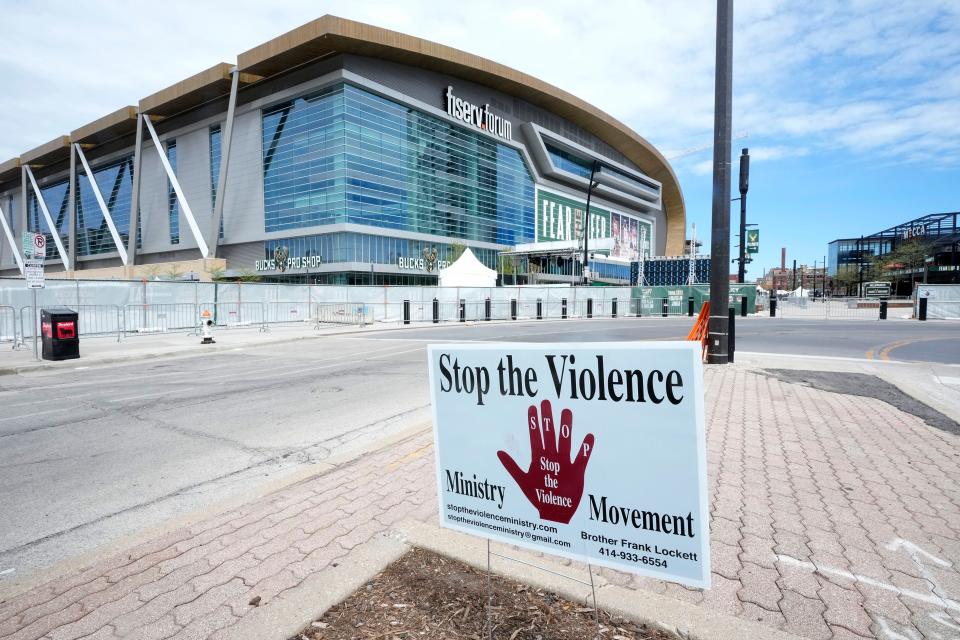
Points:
(192, 92)
(120, 123)
(9, 172)
(57, 150)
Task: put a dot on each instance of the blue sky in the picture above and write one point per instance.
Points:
(851, 109)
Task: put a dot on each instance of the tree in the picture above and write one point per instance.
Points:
(248, 276)
(455, 251)
(174, 271)
(217, 273)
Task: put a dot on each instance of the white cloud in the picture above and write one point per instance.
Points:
(868, 77)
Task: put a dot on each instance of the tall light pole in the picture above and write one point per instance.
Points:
(720, 232)
(586, 225)
(744, 185)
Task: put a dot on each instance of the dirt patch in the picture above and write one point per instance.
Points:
(424, 595)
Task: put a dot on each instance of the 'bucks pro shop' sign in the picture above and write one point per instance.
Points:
(595, 452)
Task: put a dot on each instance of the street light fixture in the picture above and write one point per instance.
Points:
(586, 223)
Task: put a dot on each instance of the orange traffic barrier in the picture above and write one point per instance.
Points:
(700, 330)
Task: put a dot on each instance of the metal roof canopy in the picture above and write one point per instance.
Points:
(193, 92)
(57, 150)
(120, 123)
(10, 170)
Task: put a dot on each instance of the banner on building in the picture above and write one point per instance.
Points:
(560, 218)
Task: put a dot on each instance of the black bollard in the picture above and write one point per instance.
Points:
(436, 311)
(883, 308)
(539, 309)
(743, 306)
(486, 309)
(922, 314)
(589, 307)
(563, 308)
(614, 308)
(690, 307)
(406, 312)
(513, 309)
(463, 310)
(664, 307)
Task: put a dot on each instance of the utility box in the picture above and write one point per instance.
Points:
(60, 331)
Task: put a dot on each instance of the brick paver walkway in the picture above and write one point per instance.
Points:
(832, 517)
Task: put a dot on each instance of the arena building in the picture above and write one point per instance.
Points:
(344, 153)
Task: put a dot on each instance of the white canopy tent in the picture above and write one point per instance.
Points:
(467, 271)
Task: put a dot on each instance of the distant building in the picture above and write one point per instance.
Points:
(854, 260)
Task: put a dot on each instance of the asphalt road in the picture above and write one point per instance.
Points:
(89, 455)
(869, 339)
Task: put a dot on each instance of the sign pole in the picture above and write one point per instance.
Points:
(33, 319)
(720, 228)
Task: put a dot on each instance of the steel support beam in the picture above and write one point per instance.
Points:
(135, 195)
(10, 239)
(72, 210)
(24, 217)
(64, 258)
(224, 165)
(117, 240)
(184, 206)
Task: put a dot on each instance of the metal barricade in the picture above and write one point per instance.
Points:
(350, 313)
(230, 315)
(99, 320)
(93, 320)
(288, 312)
(141, 319)
(8, 325)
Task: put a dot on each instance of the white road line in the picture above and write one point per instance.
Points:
(928, 598)
(949, 380)
(145, 395)
(38, 413)
(7, 571)
(396, 353)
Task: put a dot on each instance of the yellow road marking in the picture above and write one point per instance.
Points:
(883, 351)
(413, 455)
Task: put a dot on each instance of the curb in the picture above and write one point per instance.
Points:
(120, 545)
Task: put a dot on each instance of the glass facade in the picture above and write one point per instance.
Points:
(368, 249)
(849, 253)
(57, 198)
(566, 161)
(215, 141)
(115, 182)
(343, 154)
(173, 205)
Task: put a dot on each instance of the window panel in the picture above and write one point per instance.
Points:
(383, 164)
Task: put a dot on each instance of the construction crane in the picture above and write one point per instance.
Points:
(692, 150)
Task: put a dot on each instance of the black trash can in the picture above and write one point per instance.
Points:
(60, 331)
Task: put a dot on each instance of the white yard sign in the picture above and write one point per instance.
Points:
(595, 452)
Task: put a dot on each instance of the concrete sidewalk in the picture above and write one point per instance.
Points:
(832, 516)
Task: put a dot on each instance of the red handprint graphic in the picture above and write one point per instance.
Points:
(553, 484)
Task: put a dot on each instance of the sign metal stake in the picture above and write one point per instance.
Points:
(593, 591)
(489, 596)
